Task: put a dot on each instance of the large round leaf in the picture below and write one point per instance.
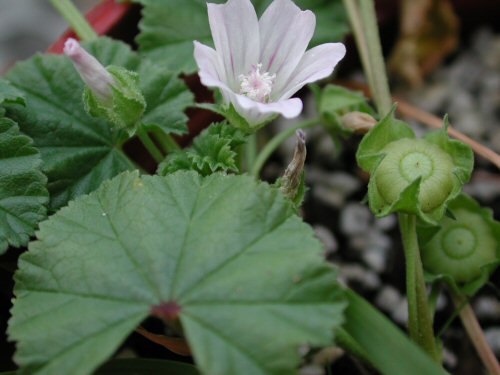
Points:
(23, 191)
(79, 152)
(223, 254)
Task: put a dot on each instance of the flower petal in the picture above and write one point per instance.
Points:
(92, 72)
(235, 31)
(317, 63)
(208, 63)
(285, 32)
(256, 113)
(210, 67)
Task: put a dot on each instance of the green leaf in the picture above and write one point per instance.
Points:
(336, 99)
(9, 94)
(140, 366)
(386, 347)
(212, 151)
(79, 152)
(224, 254)
(168, 28)
(332, 103)
(23, 191)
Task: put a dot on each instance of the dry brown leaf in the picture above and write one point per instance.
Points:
(429, 33)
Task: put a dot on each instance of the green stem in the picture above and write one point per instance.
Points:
(419, 317)
(359, 36)
(380, 87)
(166, 141)
(347, 342)
(277, 140)
(364, 23)
(476, 334)
(250, 151)
(150, 146)
(433, 297)
(74, 18)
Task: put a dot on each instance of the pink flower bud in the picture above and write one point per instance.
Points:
(95, 76)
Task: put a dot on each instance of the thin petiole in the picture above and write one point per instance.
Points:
(74, 18)
(419, 316)
(150, 145)
(276, 141)
(166, 141)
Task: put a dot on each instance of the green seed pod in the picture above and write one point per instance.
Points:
(466, 248)
(415, 176)
(407, 160)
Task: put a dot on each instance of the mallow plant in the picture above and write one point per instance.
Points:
(221, 258)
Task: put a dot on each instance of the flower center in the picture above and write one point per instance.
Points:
(459, 242)
(416, 164)
(256, 85)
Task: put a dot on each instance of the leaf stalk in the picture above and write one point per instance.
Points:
(419, 316)
(75, 19)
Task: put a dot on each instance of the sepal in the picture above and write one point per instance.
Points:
(414, 176)
(126, 105)
(463, 252)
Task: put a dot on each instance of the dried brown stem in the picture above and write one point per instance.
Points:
(431, 121)
(476, 335)
(174, 344)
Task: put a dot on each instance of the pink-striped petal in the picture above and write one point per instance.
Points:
(256, 113)
(235, 31)
(210, 68)
(253, 112)
(208, 64)
(95, 76)
(316, 64)
(285, 32)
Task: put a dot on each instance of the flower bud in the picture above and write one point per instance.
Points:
(463, 248)
(95, 76)
(111, 93)
(358, 122)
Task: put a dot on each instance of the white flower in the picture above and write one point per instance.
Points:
(259, 64)
(95, 76)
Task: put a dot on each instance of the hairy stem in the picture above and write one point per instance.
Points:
(419, 317)
(347, 342)
(250, 151)
(363, 19)
(380, 83)
(274, 143)
(77, 22)
(166, 141)
(476, 334)
(359, 36)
